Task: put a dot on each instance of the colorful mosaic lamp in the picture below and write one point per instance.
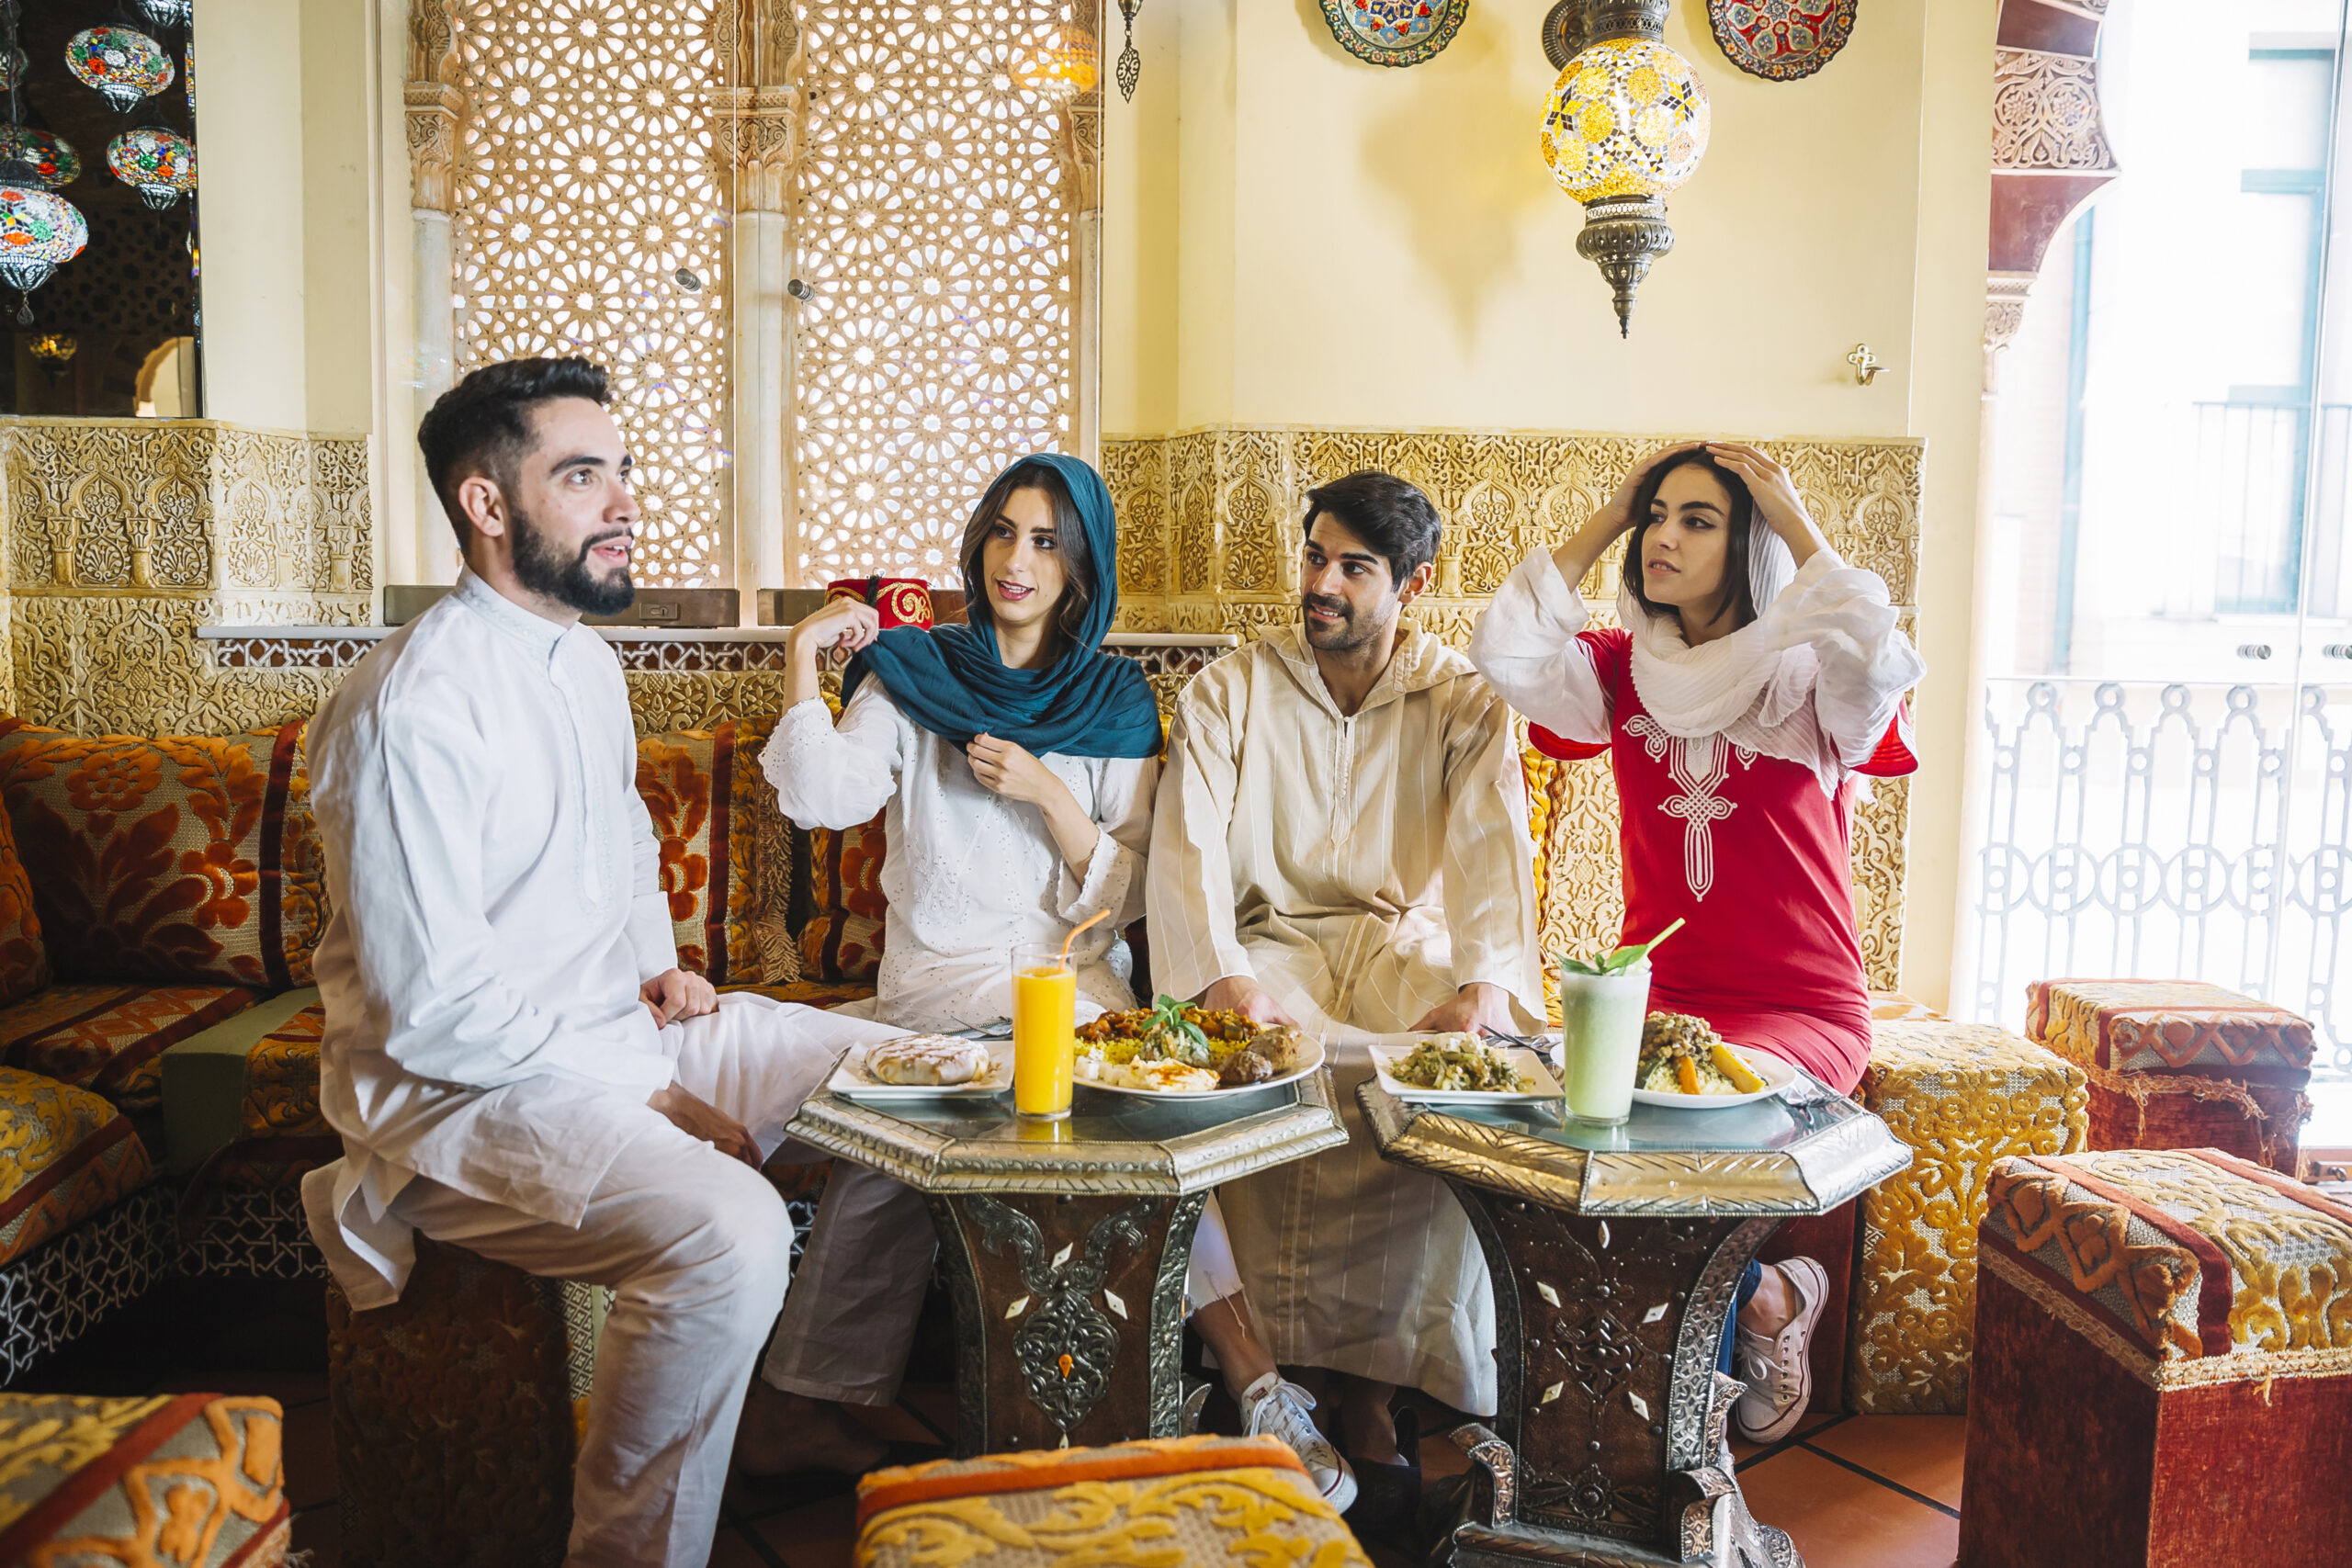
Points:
(124, 64)
(1626, 123)
(40, 232)
(32, 157)
(1066, 66)
(159, 164)
(167, 13)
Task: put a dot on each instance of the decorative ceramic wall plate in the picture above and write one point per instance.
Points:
(1394, 32)
(1781, 41)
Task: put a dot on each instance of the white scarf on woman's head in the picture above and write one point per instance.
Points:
(1753, 686)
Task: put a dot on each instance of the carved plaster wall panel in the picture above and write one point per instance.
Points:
(2046, 113)
(1217, 512)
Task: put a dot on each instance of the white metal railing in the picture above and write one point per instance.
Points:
(2179, 830)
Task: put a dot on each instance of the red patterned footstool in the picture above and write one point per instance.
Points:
(2164, 1367)
(2180, 1064)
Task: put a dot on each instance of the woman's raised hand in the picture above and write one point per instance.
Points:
(1617, 512)
(1777, 501)
(843, 623)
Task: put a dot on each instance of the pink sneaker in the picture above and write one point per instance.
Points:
(1778, 1371)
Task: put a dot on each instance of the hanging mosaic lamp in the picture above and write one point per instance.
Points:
(1626, 123)
(167, 13)
(124, 65)
(30, 157)
(1065, 66)
(159, 164)
(12, 68)
(40, 232)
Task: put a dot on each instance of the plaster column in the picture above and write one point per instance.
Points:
(1080, 148)
(435, 108)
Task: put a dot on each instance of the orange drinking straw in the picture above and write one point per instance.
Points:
(1099, 915)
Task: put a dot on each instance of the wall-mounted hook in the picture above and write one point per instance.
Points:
(1866, 365)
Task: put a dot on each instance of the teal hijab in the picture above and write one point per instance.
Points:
(1086, 703)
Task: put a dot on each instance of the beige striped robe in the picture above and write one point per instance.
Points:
(1362, 867)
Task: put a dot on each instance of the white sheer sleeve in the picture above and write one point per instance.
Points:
(1113, 878)
(838, 776)
(1845, 614)
(1526, 646)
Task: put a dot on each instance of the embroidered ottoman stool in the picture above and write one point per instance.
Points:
(456, 1412)
(192, 1480)
(1963, 1096)
(2164, 1367)
(1160, 1500)
(2176, 1065)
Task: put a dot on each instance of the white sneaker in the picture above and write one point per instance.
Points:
(1778, 1371)
(1271, 1407)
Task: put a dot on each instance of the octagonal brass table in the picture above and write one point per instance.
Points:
(1616, 1256)
(1067, 1242)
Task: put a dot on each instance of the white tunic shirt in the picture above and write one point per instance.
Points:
(968, 873)
(493, 877)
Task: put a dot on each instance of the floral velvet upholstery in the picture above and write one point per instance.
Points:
(191, 1480)
(64, 1154)
(110, 1037)
(1170, 1500)
(24, 961)
(1963, 1096)
(241, 1103)
(2177, 1063)
(843, 941)
(2164, 1366)
(187, 859)
(706, 794)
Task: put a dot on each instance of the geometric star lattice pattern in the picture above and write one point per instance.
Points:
(584, 187)
(934, 233)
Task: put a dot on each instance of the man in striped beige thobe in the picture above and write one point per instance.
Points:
(1341, 840)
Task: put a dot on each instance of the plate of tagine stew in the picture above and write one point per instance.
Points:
(1686, 1066)
(1463, 1069)
(1172, 1049)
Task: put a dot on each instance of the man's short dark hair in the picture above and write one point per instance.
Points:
(483, 422)
(1391, 515)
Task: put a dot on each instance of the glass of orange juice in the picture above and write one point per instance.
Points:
(1045, 1049)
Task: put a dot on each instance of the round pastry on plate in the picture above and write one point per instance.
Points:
(928, 1059)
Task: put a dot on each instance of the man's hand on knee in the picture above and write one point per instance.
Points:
(677, 994)
(1240, 993)
(702, 1120)
(1477, 1006)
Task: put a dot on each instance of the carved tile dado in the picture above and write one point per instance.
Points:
(2046, 113)
(1220, 509)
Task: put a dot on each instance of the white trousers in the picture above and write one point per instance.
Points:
(696, 1246)
(850, 1320)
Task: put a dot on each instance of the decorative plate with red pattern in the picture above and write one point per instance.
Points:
(1394, 32)
(1781, 41)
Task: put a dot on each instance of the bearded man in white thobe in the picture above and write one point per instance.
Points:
(1341, 840)
(513, 1059)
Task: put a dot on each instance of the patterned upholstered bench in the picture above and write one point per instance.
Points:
(2164, 1367)
(1963, 1096)
(195, 1481)
(2178, 1064)
(1189, 1500)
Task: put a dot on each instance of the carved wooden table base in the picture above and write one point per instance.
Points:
(1608, 1447)
(1069, 1315)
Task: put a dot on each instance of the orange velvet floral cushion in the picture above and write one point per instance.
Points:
(843, 941)
(701, 787)
(190, 859)
(110, 1037)
(23, 962)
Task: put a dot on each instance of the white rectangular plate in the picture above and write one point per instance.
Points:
(851, 1078)
(1777, 1076)
(1527, 1062)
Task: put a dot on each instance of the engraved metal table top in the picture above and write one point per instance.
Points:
(1109, 1143)
(1804, 1152)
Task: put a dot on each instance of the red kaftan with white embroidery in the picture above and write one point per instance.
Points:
(1752, 855)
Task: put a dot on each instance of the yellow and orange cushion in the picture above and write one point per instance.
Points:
(186, 1481)
(110, 1037)
(240, 1100)
(699, 787)
(843, 941)
(1171, 1500)
(64, 1154)
(172, 859)
(23, 962)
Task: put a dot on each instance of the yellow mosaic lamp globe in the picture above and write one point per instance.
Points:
(1626, 122)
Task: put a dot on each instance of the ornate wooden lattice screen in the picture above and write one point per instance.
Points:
(589, 220)
(934, 236)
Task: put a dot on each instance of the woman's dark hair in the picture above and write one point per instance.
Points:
(1388, 514)
(1737, 595)
(483, 422)
(1069, 539)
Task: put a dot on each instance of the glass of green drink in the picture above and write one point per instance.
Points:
(1601, 1040)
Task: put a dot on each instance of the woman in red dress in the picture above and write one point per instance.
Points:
(1754, 682)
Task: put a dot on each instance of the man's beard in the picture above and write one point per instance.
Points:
(1355, 629)
(541, 566)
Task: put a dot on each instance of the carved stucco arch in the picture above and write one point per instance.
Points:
(2050, 148)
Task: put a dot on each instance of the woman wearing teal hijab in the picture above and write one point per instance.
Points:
(1014, 761)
